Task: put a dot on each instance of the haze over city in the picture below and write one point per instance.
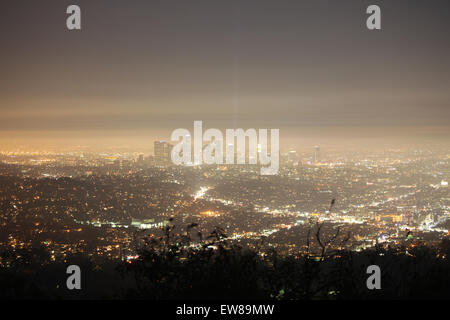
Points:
(136, 72)
(89, 180)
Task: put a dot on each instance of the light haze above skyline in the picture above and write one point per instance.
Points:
(139, 69)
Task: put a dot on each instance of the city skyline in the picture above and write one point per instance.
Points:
(264, 150)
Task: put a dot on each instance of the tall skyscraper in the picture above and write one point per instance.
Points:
(316, 154)
(162, 153)
(292, 156)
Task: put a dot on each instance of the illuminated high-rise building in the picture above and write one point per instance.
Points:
(162, 153)
(292, 156)
(316, 154)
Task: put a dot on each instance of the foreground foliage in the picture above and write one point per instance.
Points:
(220, 271)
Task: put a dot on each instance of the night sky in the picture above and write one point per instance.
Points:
(139, 69)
